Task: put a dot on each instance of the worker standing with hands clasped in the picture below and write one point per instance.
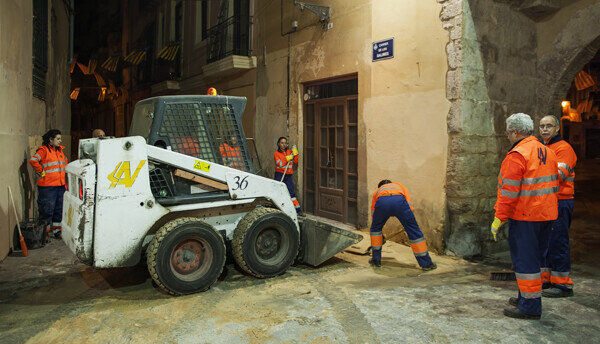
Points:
(558, 260)
(528, 200)
(49, 163)
(392, 199)
(284, 160)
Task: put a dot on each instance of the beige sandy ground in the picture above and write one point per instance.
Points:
(343, 301)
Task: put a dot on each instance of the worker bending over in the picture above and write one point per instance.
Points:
(527, 199)
(392, 199)
(558, 261)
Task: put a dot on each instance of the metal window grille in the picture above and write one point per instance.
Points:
(160, 183)
(206, 131)
(40, 47)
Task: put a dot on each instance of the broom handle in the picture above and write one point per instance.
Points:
(284, 171)
(15, 210)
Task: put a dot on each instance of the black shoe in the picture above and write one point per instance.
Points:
(556, 292)
(517, 314)
(513, 301)
(432, 266)
(376, 263)
(546, 285)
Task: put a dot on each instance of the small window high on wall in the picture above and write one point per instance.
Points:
(40, 47)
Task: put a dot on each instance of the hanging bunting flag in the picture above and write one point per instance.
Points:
(83, 68)
(135, 57)
(111, 63)
(102, 94)
(169, 52)
(75, 93)
(92, 64)
(583, 80)
(100, 80)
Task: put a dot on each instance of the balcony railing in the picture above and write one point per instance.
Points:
(231, 37)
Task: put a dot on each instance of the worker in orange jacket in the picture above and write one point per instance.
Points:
(284, 160)
(528, 199)
(558, 261)
(392, 199)
(49, 163)
(231, 153)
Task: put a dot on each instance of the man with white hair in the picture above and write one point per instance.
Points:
(558, 261)
(527, 199)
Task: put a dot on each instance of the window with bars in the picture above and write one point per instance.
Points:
(40, 47)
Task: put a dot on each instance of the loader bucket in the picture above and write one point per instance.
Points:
(321, 241)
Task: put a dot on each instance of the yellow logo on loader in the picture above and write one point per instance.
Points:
(122, 174)
(70, 216)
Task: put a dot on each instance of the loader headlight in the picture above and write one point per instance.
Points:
(80, 190)
(212, 91)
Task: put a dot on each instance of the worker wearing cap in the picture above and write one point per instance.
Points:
(528, 200)
(392, 199)
(284, 161)
(558, 261)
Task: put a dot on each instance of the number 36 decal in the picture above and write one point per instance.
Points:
(240, 183)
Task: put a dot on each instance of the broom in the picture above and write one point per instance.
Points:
(21, 239)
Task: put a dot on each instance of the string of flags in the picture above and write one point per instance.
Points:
(111, 63)
(135, 57)
(583, 80)
(169, 52)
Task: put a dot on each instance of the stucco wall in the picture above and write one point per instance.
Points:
(22, 115)
(402, 102)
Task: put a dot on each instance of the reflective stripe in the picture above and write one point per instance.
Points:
(37, 156)
(376, 233)
(543, 270)
(537, 180)
(422, 254)
(535, 295)
(55, 169)
(511, 194)
(54, 163)
(376, 247)
(566, 167)
(416, 241)
(560, 273)
(562, 174)
(533, 276)
(33, 159)
(539, 192)
(511, 182)
(56, 224)
(570, 179)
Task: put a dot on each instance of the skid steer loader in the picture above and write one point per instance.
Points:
(182, 189)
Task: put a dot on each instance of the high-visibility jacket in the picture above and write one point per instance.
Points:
(232, 156)
(528, 183)
(281, 161)
(390, 189)
(566, 166)
(53, 162)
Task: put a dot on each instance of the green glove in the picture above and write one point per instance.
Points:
(496, 226)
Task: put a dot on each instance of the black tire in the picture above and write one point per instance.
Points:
(186, 256)
(265, 242)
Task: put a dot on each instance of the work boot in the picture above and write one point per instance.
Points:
(430, 267)
(376, 263)
(517, 314)
(513, 301)
(556, 292)
(546, 285)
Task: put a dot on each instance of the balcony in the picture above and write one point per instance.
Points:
(229, 51)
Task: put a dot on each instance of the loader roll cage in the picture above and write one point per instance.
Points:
(205, 127)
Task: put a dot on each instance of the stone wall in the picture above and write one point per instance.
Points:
(492, 73)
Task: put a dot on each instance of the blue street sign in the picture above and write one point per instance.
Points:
(383, 49)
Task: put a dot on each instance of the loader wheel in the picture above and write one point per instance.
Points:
(186, 256)
(265, 242)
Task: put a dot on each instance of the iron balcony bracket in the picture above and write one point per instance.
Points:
(321, 11)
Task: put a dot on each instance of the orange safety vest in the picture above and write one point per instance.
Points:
(390, 189)
(53, 162)
(281, 161)
(566, 165)
(232, 156)
(528, 183)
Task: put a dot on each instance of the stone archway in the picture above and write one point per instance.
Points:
(574, 46)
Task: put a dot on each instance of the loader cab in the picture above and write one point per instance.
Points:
(203, 126)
